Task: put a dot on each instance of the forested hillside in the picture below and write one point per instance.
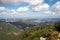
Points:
(11, 32)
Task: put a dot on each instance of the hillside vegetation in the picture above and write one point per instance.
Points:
(11, 32)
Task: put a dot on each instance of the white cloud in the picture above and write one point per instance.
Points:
(10, 2)
(41, 7)
(37, 6)
(50, 13)
(14, 11)
(56, 7)
(6, 13)
(34, 2)
(16, 2)
(22, 9)
(2, 9)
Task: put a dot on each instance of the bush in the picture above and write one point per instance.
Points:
(57, 26)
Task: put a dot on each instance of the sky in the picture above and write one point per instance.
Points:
(29, 9)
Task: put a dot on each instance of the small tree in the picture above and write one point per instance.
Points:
(57, 26)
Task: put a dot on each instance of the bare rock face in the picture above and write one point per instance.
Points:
(58, 37)
(42, 38)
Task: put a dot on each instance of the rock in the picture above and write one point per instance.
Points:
(42, 38)
(58, 37)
